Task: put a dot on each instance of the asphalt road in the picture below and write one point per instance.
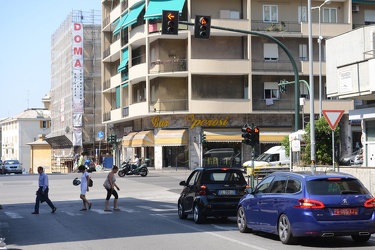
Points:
(148, 218)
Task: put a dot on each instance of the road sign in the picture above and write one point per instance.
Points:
(100, 134)
(333, 117)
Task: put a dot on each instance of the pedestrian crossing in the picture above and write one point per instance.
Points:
(161, 208)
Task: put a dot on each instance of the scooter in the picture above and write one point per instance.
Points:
(132, 169)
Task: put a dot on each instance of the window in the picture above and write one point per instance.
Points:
(302, 14)
(271, 52)
(303, 52)
(263, 186)
(278, 186)
(329, 15)
(271, 90)
(293, 186)
(270, 13)
(44, 124)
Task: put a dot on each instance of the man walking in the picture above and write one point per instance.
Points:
(42, 193)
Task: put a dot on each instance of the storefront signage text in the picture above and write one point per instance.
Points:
(157, 122)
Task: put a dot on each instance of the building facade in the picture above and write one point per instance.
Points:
(21, 129)
(350, 75)
(75, 89)
(160, 93)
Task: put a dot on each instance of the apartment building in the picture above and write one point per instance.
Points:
(75, 89)
(21, 129)
(350, 74)
(161, 92)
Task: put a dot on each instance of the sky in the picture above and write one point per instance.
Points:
(25, 42)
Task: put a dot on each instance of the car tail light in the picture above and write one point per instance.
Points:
(370, 203)
(307, 203)
(203, 190)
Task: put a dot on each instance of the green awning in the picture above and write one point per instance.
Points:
(155, 7)
(119, 24)
(124, 62)
(134, 12)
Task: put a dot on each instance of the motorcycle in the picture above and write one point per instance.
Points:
(132, 169)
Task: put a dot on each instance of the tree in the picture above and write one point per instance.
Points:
(323, 142)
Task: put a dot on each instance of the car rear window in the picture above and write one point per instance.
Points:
(224, 176)
(333, 186)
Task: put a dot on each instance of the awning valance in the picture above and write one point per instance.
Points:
(143, 139)
(364, 1)
(132, 17)
(155, 7)
(124, 61)
(172, 137)
(120, 22)
(235, 135)
(127, 140)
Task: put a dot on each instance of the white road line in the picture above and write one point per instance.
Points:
(13, 215)
(158, 209)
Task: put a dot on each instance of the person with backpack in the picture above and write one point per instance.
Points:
(109, 185)
(85, 179)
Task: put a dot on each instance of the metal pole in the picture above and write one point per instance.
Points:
(320, 69)
(333, 150)
(311, 81)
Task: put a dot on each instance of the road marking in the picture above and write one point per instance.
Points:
(14, 215)
(158, 209)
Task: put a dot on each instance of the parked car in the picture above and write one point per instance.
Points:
(12, 166)
(354, 158)
(301, 204)
(211, 192)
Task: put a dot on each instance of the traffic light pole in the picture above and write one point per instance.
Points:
(292, 61)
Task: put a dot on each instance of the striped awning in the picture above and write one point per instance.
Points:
(143, 139)
(172, 137)
(235, 135)
(127, 140)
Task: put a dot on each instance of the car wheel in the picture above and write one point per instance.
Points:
(198, 216)
(285, 230)
(361, 238)
(241, 221)
(181, 212)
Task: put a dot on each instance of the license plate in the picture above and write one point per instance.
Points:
(227, 192)
(345, 211)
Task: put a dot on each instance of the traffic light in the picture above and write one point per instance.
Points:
(255, 136)
(203, 138)
(202, 27)
(170, 22)
(247, 134)
(111, 138)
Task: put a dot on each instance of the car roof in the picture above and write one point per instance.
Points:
(309, 175)
(217, 168)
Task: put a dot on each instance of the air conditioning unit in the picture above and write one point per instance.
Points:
(355, 7)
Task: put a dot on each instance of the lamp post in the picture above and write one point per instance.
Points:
(320, 38)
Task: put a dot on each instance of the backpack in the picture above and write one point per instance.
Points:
(91, 182)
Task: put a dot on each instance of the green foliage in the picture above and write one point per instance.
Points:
(323, 142)
(285, 144)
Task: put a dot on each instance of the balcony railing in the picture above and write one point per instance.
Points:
(107, 84)
(169, 105)
(173, 65)
(282, 26)
(106, 116)
(106, 21)
(107, 52)
(273, 105)
(278, 65)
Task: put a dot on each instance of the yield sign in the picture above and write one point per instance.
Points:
(333, 117)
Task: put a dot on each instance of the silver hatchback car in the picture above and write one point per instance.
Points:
(12, 166)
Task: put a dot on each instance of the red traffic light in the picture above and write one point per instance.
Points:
(248, 130)
(203, 20)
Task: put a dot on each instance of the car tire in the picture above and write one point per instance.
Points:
(181, 214)
(198, 216)
(361, 238)
(285, 230)
(241, 221)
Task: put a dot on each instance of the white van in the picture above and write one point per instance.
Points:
(274, 156)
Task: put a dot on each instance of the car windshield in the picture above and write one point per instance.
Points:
(335, 186)
(11, 162)
(223, 176)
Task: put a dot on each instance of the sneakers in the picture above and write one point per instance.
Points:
(54, 210)
(35, 212)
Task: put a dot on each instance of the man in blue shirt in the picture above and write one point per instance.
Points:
(42, 193)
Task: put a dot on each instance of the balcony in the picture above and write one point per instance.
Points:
(327, 29)
(220, 106)
(280, 66)
(169, 105)
(221, 67)
(116, 80)
(173, 65)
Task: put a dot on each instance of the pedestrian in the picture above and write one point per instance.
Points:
(81, 159)
(110, 184)
(84, 187)
(42, 193)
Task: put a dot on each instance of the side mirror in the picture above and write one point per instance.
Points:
(182, 183)
(249, 190)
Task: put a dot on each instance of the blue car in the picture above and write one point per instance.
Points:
(300, 204)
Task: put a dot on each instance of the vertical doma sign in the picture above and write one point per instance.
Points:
(77, 84)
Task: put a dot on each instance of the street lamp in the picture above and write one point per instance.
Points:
(320, 38)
